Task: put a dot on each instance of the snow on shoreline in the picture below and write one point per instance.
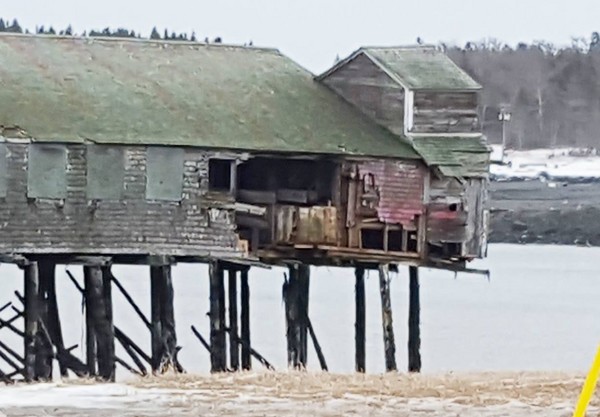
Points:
(555, 164)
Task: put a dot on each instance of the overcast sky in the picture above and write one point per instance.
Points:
(313, 32)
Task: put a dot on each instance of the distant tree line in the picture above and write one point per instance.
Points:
(553, 94)
(15, 27)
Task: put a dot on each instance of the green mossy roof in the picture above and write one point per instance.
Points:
(454, 156)
(422, 68)
(131, 91)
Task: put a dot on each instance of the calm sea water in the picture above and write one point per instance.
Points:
(539, 311)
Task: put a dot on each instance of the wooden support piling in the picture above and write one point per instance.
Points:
(90, 332)
(31, 318)
(201, 338)
(52, 318)
(131, 302)
(253, 352)
(386, 313)
(296, 302)
(44, 353)
(317, 346)
(234, 348)
(304, 285)
(291, 298)
(99, 302)
(9, 324)
(359, 324)
(218, 341)
(164, 338)
(245, 320)
(414, 322)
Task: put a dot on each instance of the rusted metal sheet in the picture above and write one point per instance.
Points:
(306, 225)
(398, 187)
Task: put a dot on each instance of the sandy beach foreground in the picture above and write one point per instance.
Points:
(299, 394)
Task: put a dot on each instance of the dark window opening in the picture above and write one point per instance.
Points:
(219, 174)
(453, 207)
(372, 238)
(412, 244)
(395, 240)
(264, 180)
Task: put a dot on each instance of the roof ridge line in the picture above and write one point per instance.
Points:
(138, 40)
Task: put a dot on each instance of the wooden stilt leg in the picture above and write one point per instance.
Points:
(107, 361)
(234, 349)
(303, 293)
(90, 328)
(386, 313)
(414, 330)
(164, 337)
(54, 326)
(245, 320)
(218, 357)
(31, 318)
(44, 336)
(359, 325)
(168, 320)
(291, 291)
(155, 316)
(99, 301)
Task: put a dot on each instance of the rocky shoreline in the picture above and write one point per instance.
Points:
(545, 212)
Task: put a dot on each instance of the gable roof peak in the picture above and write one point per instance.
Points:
(418, 67)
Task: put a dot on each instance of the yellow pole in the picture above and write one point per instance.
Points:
(588, 387)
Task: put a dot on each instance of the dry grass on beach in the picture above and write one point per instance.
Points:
(519, 394)
(534, 388)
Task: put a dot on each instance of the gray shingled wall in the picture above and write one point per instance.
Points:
(196, 226)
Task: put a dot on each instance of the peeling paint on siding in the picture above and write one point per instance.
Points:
(399, 186)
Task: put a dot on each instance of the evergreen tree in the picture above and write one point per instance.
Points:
(154, 34)
(15, 27)
(2, 26)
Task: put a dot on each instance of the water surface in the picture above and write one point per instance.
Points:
(539, 311)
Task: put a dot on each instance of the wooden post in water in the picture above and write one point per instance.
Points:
(386, 314)
(99, 302)
(218, 342)
(155, 330)
(245, 320)
(234, 349)
(31, 289)
(359, 324)
(303, 298)
(291, 295)
(90, 330)
(164, 337)
(53, 323)
(46, 335)
(414, 330)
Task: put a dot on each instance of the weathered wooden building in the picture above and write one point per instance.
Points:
(421, 96)
(139, 151)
